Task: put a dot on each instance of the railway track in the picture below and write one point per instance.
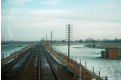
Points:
(31, 65)
(59, 70)
(46, 70)
(9, 71)
(8, 66)
(36, 67)
(35, 64)
(28, 69)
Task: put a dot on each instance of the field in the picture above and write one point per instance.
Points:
(92, 57)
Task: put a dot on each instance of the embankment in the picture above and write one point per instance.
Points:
(85, 73)
(16, 54)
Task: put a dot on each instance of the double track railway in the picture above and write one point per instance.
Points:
(34, 64)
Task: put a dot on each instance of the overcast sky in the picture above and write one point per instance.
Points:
(33, 19)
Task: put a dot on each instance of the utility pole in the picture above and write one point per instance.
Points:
(69, 34)
(46, 38)
(51, 38)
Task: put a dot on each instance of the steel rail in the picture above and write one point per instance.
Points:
(51, 64)
(39, 71)
(9, 66)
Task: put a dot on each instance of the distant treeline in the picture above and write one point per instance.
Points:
(13, 42)
(90, 40)
(96, 41)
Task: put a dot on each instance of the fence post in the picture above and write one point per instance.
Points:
(61, 59)
(80, 70)
(75, 68)
(99, 75)
(106, 77)
(3, 56)
(93, 69)
(85, 64)
(3, 59)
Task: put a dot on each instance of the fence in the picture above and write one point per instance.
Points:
(77, 67)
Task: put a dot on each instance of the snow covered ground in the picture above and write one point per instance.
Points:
(9, 49)
(92, 56)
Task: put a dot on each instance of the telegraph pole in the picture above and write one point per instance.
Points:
(46, 38)
(51, 38)
(68, 44)
(69, 34)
